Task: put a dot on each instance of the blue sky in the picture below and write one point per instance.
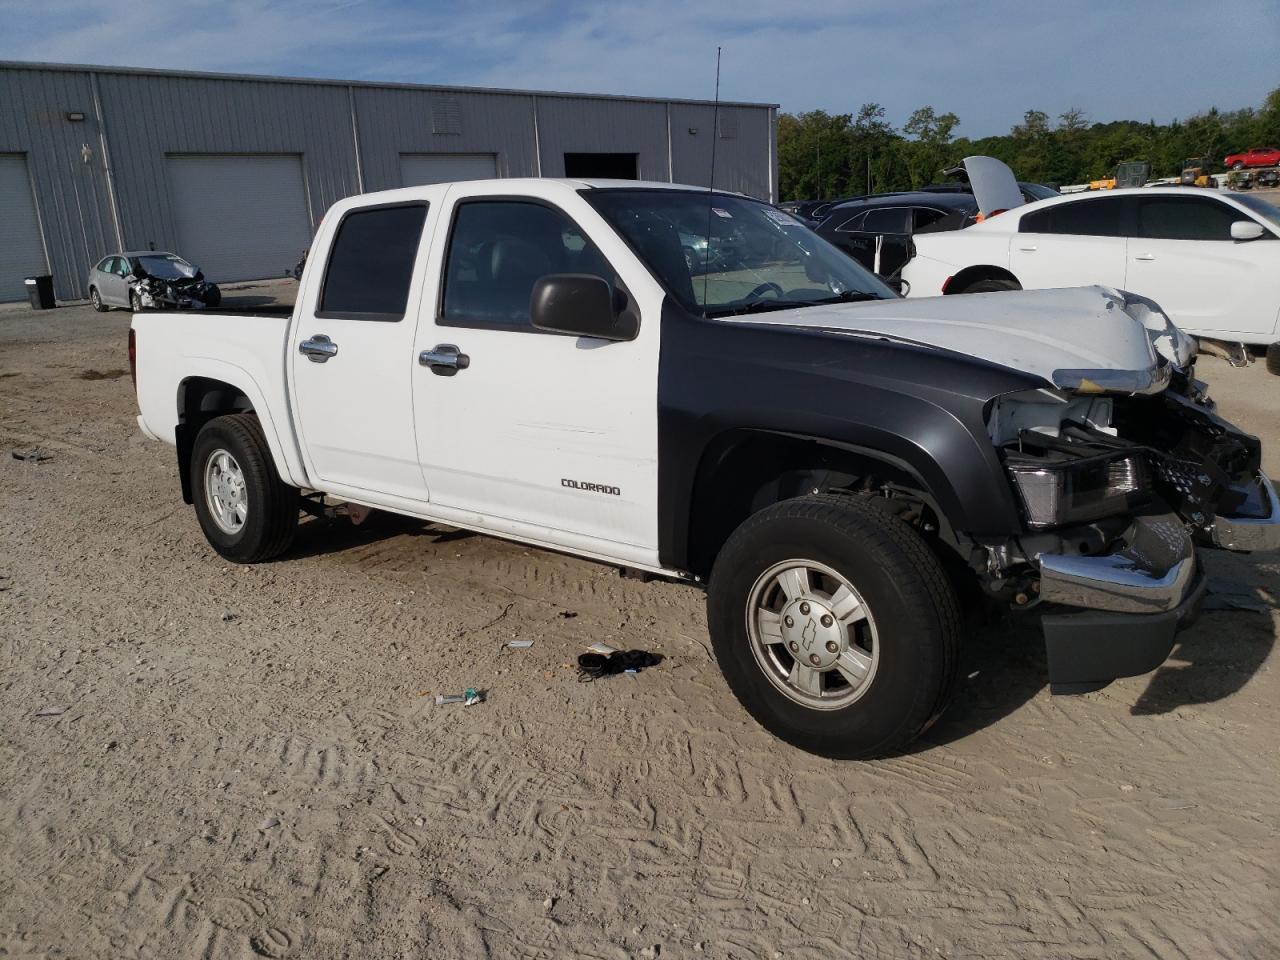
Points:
(987, 62)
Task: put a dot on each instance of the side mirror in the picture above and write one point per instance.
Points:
(580, 304)
(1246, 230)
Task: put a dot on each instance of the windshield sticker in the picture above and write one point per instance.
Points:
(780, 218)
(722, 213)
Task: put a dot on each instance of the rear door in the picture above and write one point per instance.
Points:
(1072, 244)
(1182, 257)
(548, 436)
(350, 351)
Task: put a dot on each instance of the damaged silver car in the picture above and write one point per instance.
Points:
(150, 280)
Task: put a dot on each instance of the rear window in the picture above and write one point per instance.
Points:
(371, 263)
(1099, 217)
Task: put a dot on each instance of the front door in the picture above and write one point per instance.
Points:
(115, 289)
(351, 352)
(1182, 257)
(1071, 244)
(548, 436)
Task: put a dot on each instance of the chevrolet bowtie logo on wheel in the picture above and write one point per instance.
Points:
(810, 632)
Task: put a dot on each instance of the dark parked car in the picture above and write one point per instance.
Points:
(812, 211)
(877, 231)
(1030, 191)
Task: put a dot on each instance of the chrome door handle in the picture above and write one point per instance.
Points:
(318, 349)
(444, 359)
(1030, 249)
(1145, 256)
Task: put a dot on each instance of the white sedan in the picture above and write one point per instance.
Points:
(1211, 260)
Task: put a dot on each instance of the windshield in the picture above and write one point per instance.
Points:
(1038, 191)
(166, 266)
(1263, 208)
(758, 258)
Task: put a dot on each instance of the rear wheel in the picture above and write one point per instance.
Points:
(247, 512)
(835, 626)
(991, 285)
(1238, 165)
(96, 299)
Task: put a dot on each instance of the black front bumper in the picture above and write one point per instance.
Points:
(1090, 648)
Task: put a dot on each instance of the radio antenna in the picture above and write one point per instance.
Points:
(711, 186)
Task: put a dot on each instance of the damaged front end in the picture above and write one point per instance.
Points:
(175, 293)
(1119, 476)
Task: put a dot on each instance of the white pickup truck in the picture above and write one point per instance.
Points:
(572, 365)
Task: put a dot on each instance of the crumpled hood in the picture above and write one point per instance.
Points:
(1091, 339)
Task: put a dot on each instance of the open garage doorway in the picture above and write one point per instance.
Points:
(603, 166)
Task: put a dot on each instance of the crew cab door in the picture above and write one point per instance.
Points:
(547, 436)
(1181, 255)
(350, 351)
(1071, 244)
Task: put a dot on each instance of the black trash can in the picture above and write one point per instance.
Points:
(40, 292)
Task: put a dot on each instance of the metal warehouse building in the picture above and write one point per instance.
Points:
(235, 172)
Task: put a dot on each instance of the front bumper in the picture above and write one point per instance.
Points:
(1129, 604)
(1259, 526)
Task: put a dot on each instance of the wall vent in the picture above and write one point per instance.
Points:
(446, 115)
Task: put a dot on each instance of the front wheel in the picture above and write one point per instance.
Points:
(247, 512)
(1238, 165)
(96, 299)
(1273, 359)
(135, 301)
(835, 626)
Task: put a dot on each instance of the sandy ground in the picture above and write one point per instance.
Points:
(249, 762)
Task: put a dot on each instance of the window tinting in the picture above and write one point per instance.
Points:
(499, 250)
(853, 224)
(888, 220)
(1185, 218)
(367, 277)
(1085, 218)
(928, 220)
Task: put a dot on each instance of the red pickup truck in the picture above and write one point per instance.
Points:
(1253, 157)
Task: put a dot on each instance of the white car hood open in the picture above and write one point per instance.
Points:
(1090, 339)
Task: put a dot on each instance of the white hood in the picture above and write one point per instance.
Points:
(1091, 339)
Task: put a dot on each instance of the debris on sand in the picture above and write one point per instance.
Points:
(268, 823)
(51, 711)
(32, 456)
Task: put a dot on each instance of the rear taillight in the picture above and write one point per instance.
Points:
(133, 356)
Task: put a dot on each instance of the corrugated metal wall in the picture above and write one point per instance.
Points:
(100, 183)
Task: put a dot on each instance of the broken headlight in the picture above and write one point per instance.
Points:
(1059, 492)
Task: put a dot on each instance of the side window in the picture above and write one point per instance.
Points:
(371, 263)
(107, 265)
(927, 220)
(122, 266)
(853, 224)
(894, 220)
(1185, 218)
(498, 250)
(1084, 218)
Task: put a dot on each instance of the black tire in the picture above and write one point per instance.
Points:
(1238, 165)
(1273, 359)
(991, 285)
(913, 606)
(212, 296)
(135, 302)
(96, 299)
(271, 516)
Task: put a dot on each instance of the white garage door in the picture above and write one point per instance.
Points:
(240, 218)
(417, 169)
(21, 252)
